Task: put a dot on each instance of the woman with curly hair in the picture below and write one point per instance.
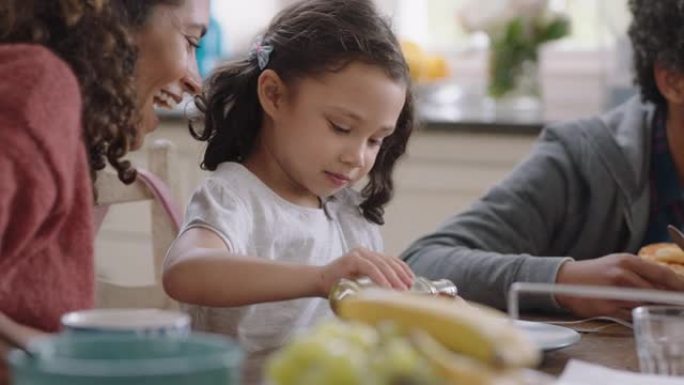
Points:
(80, 82)
(591, 194)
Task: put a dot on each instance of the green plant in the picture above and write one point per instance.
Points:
(517, 44)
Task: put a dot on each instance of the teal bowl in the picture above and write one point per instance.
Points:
(105, 359)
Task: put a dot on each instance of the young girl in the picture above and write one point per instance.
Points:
(322, 101)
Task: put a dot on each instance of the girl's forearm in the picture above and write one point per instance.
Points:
(211, 278)
(18, 333)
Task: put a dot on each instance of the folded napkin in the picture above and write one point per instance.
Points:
(582, 373)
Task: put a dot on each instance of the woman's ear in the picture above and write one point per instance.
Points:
(271, 92)
(670, 83)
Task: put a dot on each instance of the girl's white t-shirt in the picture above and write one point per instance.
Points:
(254, 221)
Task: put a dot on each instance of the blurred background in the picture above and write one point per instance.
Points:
(466, 142)
(581, 73)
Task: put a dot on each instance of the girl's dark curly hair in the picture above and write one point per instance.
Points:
(657, 36)
(308, 38)
(92, 36)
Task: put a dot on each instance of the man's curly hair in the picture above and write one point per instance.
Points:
(93, 37)
(657, 36)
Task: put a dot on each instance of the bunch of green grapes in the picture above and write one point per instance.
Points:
(344, 353)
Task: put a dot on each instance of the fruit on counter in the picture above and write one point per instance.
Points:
(481, 333)
(423, 66)
(348, 353)
(414, 58)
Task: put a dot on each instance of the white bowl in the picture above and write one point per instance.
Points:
(136, 321)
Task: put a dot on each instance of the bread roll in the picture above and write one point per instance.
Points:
(666, 254)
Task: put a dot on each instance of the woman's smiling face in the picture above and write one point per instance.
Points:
(167, 67)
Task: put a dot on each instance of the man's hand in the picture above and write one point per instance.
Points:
(624, 270)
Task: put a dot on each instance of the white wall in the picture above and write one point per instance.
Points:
(242, 21)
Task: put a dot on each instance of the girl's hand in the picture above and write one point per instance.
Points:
(382, 269)
(21, 333)
(4, 366)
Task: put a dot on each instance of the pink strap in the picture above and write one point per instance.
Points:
(161, 193)
(99, 213)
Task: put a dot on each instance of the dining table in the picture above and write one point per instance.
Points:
(602, 342)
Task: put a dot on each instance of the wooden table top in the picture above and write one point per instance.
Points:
(612, 346)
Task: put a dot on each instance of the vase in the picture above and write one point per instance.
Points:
(513, 83)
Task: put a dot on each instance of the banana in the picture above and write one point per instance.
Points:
(458, 369)
(482, 333)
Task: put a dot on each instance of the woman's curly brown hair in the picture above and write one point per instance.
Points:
(657, 36)
(93, 37)
(308, 38)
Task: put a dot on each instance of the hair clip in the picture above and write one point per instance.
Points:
(262, 53)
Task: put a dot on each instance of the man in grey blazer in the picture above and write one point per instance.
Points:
(591, 193)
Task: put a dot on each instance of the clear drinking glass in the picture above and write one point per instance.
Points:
(659, 334)
(658, 329)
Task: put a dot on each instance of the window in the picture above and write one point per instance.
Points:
(434, 23)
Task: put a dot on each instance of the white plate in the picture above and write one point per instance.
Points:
(547, 336)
